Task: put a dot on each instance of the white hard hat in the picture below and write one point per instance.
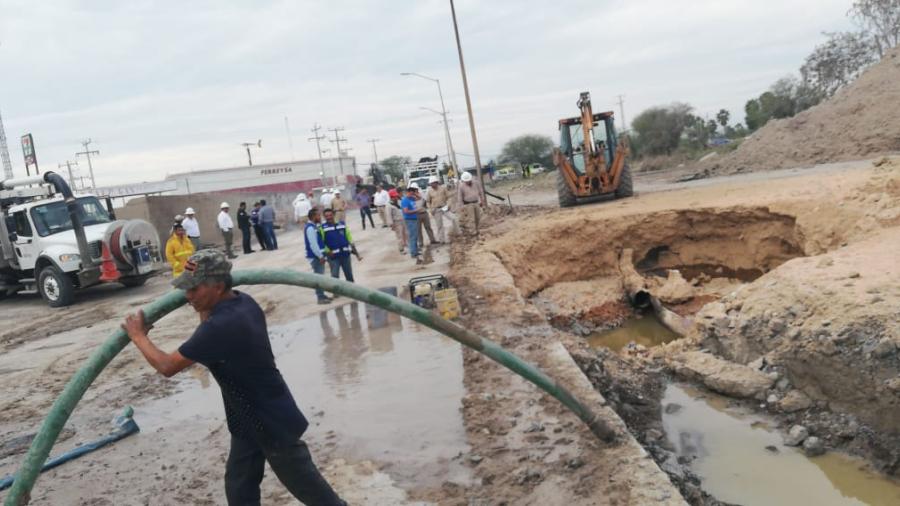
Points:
(189, 210)
(412, 186)
(224, 205)
(433, 179)
(466, 177)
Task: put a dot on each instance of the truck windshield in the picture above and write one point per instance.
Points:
(54, 218)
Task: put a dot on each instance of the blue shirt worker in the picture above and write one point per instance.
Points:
(267, 221)
(338, 245)
(232, 341)
(411, 219)
(315, 249)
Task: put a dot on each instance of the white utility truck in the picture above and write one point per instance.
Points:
(53, 243)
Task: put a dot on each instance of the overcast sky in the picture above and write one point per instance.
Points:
(165, 87)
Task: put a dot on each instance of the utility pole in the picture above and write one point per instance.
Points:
(68, 165)
(374, 151)
(4, 153)
(247, 147)
(337, 141)
(87, 153)
(462, 68)
(622, 110)
(287, 129)
(318, 138)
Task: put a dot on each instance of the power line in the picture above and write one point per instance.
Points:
(4, 153)
(374, 151)
(87, 153)
(337, 141)
(68, 165)
(318, 138)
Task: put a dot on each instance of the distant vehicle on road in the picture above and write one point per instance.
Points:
(536, 168)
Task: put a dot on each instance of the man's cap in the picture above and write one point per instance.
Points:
(433, 179)
(412, 187)
(393, 194)
(189, 210)
(466, 177)
(204, 265)
(224, 205)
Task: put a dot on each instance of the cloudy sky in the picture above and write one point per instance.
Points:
(164, 87)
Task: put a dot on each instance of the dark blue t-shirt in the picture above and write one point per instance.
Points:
(234, 344)
(409, 204)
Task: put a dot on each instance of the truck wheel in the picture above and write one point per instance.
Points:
(566, 197)
(133, 281)
(626, 188)
(56, 287)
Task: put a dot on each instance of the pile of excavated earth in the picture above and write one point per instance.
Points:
(861, 120)
(786, 294)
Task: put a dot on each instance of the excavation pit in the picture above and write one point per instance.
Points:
(686, 258)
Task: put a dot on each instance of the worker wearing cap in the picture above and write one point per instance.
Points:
(227, 228)
(302, 205)
(191, 227)
(411, 220)
(437, 197)
(471, 197)
(381, 199)
(232, 341)
(178, 249)
(315, 249)
(325, 199)
(338, 245)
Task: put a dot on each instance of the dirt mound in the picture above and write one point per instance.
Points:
(862, 120)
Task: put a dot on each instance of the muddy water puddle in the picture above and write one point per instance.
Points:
(729, 450)
(644, 329)
(374, 386)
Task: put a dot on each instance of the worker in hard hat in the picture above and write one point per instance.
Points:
(178, 249)
(424, 220)
(227, 228)
(437, 199)
(338, 245)
(471, 198)
(325, 199)
(191, 227)
(302, 205)
(411, 220)
(339, 206)
(398, 224)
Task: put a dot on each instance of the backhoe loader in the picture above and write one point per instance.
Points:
(590, 160)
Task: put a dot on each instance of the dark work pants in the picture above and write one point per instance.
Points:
(260, 236)
(292, 464)
(366, 211)
(269, 234)
(338, 263)
(245, 240)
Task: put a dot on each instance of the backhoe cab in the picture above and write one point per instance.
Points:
(590, 160)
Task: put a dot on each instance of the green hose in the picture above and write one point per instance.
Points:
(64, 405)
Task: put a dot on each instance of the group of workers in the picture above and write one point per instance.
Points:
(185, 236)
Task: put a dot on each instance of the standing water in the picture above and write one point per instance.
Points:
(645, 330)
(741, 460)
(388, 389)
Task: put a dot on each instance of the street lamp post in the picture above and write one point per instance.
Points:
(443, 114)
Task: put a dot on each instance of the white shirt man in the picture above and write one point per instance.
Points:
(381, 199)
(301, 209)
(325, 199)
(191, 227)
(226, 226)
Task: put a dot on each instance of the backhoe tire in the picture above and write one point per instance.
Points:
(566, 197)
(626, 187)
(56, 287)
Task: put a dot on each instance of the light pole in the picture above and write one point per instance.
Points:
(446, 132)
(443, 114)
(247, 147)
(462, 69)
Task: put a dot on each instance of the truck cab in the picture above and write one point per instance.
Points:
(54, 243)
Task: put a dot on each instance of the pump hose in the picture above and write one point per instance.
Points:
(64, 405)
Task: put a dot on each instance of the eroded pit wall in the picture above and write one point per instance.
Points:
(740, 241)
(830, 322)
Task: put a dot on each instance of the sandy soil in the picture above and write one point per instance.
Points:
(813, 238)
(183, 466)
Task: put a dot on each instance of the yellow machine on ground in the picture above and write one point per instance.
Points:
(590, 160)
